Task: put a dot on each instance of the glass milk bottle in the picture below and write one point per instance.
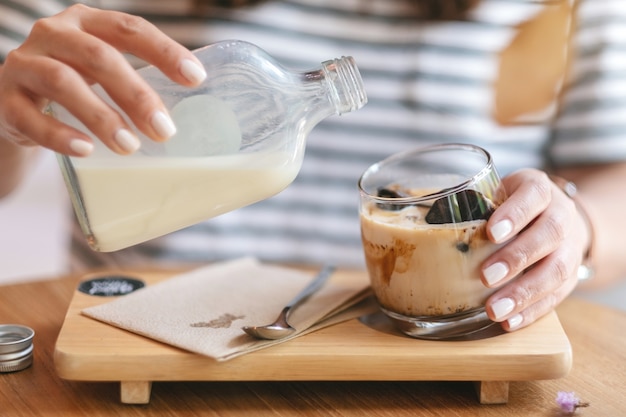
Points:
(241, 139)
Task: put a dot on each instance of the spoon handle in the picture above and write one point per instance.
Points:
(313, 286)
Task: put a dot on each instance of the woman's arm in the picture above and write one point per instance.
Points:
(601, 193)
(15, 161)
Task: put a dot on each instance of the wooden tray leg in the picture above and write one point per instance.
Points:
(492, 392)
(135, 392)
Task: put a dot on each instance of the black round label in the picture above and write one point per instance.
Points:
(110, 286)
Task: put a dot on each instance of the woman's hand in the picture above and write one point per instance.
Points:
(66, 53)
(546, 239)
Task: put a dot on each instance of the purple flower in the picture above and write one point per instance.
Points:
(569, 402)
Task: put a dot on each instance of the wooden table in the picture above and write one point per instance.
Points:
(597, 335)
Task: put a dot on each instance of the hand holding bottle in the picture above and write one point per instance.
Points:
(241, 138)
(68, 52)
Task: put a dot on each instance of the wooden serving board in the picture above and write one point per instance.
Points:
(366, 349)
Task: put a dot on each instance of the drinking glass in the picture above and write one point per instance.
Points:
(423, 215)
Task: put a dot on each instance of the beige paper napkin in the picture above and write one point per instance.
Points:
(203, 310)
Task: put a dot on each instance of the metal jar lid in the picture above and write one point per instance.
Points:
(16, 347)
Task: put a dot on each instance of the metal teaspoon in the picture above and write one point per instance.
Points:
(281, 327)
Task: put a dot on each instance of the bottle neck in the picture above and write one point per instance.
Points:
(345, 86)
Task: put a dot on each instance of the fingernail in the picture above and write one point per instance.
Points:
(502, 307)
(163, 125)
(81, 147)
(501, 230)
(495, 272)
(192, 71)
(515, 321)
(127, 141)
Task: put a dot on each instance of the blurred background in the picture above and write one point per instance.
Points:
(34, 225)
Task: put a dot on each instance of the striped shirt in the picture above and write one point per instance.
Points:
(427, 82)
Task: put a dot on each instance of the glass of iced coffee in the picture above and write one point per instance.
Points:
(423, 225)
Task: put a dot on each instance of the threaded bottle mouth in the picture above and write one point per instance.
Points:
(345, 80)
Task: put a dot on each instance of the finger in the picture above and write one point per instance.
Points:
(125, 87)
(539, 309)
(96, 60)
(44, 77)
(545, 234)
(31, 127)
(534, 293)
(529, 195)
(96, 38)
(139, 37)
(126, 33)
